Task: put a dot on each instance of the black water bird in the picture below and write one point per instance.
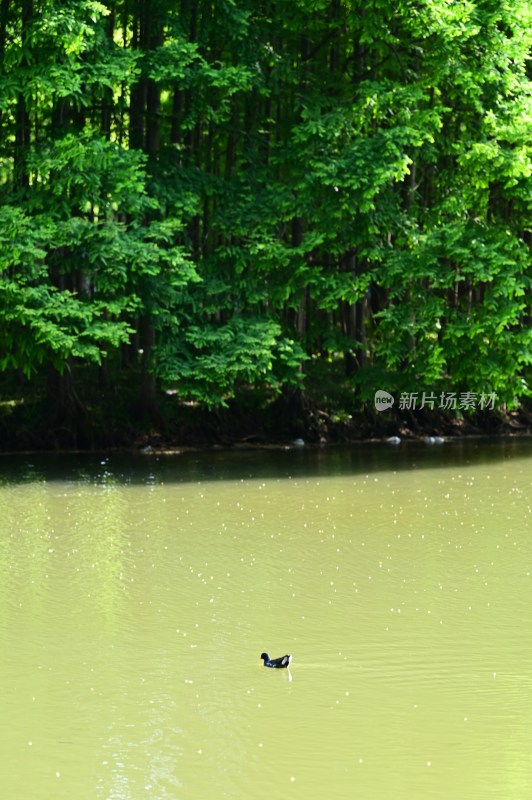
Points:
(276, 663)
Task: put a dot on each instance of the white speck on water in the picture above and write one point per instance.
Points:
(292, 778)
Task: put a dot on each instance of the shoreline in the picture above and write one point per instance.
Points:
(237, 446)
(293, 421)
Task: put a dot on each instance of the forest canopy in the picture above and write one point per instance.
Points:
(200, 197)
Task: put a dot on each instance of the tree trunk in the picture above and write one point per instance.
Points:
(22, 117)
(137, 103)
(148, 385)
(66, 423)
(152, 38)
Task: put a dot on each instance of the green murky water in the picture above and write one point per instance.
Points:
(137, 595)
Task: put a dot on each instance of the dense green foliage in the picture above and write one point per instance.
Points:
(204, 196)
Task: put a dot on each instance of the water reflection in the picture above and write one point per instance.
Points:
(275, 462)
(134, 606)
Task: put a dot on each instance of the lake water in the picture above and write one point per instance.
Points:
(136, 595)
